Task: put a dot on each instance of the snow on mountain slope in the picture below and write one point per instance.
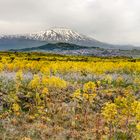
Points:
(56, 35)
(60, 35)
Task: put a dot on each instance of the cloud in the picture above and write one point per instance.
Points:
(114, 21)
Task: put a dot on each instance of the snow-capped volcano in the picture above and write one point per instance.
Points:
(61, 35)
(54, 35)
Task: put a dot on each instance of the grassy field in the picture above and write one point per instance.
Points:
(56, 97)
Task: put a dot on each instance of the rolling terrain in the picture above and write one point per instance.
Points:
(54, 35)
(72, 49)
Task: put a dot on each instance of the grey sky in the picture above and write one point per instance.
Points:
(112, 21)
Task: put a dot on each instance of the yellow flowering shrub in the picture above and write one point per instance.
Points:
(136, 109)
(87, 93)
(89, 87)
(1, 67)
(138, 126)
(19, 75)
(35, 82)
(15, 107)
(55, 82)
(109, 112)
(45, 91)
(77, 94)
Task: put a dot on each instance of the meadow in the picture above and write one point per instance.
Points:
(57, 97)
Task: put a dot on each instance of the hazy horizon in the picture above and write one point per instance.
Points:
(112, 21)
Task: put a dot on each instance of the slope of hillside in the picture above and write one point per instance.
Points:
(72, 49)
(54, 35)
(18, 43)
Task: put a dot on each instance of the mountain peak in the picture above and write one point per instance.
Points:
(58, 35)
(55, 35)
(60, 29)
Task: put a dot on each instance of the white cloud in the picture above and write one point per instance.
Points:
(115, 21)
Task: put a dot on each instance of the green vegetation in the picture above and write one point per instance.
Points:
(47, 96)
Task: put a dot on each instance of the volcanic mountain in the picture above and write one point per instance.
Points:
(54, 35)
